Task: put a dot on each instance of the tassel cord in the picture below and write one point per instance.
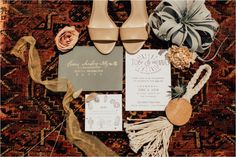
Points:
(193, 89)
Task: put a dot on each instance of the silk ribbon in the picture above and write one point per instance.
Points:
(91, 145)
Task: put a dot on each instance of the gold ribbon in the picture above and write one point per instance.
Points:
(91, 145)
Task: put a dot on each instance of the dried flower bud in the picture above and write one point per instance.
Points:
(180, 57)
(66, 39)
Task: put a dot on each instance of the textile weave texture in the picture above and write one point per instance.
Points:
(30, 123)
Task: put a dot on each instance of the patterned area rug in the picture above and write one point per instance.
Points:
(31, 123)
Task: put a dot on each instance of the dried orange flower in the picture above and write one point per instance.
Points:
(181, 57)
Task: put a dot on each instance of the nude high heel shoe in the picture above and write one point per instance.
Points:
(102, 30)
(133, 32)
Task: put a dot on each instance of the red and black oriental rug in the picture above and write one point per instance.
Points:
(30, 112)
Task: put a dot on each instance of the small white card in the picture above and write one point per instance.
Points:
(148, 80)
(104, 113)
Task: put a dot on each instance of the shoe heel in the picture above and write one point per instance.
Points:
(102, 30)
(133, 32)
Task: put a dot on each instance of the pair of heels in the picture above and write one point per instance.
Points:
(104, 33)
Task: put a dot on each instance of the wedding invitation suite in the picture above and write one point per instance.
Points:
(104, 113)
(148, 80)
(90, 70)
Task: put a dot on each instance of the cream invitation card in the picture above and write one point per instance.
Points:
(90, 70)
(148, 80)
(104, 113)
